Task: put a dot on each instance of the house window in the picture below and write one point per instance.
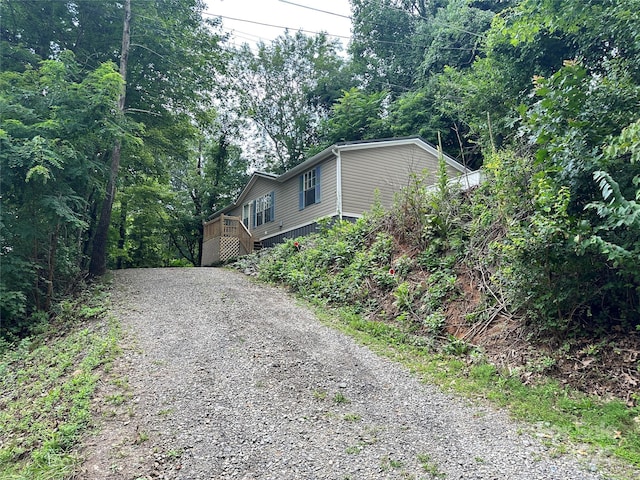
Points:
(246, 214)
(309, 188)
(264, 209)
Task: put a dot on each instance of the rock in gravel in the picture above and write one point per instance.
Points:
(235, 380)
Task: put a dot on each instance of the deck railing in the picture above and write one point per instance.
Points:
(227, 226)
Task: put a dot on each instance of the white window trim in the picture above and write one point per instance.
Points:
(263, 205)
(246, 206)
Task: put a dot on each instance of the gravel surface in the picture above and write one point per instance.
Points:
(230, 379)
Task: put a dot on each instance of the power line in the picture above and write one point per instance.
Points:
(274, 26)
(373, 40)
(316, 9)
(403, 44)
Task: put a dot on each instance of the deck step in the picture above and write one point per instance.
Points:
(257, 246)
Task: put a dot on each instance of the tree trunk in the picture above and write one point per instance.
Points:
(51, 265)
(98, 265)
(123, 233)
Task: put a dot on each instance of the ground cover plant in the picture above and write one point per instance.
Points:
(485, 291)
(47, 381)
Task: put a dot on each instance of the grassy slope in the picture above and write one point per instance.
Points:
(46, 387)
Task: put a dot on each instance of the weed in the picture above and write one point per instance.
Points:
(388, 463)
(429, 466)
(354, 449)
(115, 399)
(175, 453)
(541, 364)
(319, 394)
(368, 437)
(352, 417)
(141, 438)
(456, 346)
(121, 382)
(92, 311)
(404, 296)
(340, 398)
(434, 322)
(591, 350)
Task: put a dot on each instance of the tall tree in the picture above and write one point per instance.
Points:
(98, 264)
(55, 127)
(287, 88)
(385, 44)
(357, 115)
(453, 37)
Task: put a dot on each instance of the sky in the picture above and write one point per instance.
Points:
(238, 16)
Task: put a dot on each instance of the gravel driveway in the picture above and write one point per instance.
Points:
(230, 379)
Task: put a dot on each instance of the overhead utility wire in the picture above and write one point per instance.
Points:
(388, 42)
(274, 26)
(444, 24)
(316, 9)
(298, 29)
(236, 32)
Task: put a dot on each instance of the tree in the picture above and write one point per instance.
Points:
(384, 48)
(55, 126)
(98, 265)
(210, 180)
(286, 89)
(418, 113)
(453, 37)
(357, 116)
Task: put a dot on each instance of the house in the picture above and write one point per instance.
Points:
(342, 181)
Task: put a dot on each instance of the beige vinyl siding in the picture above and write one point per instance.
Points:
(287, 206)
(287, 214)
(386, 170)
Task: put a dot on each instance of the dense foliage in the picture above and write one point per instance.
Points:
(57, 125)
(546, 96)
(61, 126)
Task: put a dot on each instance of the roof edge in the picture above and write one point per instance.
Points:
(338, 147)
(238, 200)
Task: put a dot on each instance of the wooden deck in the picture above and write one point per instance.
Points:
(225, 238)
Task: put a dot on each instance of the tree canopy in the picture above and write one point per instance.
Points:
(59, 93)
(287, 88)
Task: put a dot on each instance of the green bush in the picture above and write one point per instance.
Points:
(519, 236)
